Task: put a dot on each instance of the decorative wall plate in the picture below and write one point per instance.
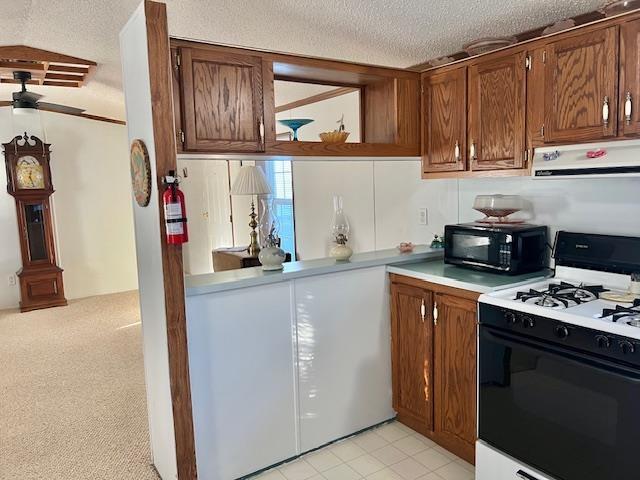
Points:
(487, 44)
(140, 172)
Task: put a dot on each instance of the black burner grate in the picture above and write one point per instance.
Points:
(620, 312)
(562, 295)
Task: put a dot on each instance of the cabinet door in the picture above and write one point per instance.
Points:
(455, 374)
(497, 99)
(581, 86)
(222, 101)
(411, 358)
(629, 117)
(445, 121)
(243, 389)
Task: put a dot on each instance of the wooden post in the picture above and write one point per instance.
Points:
(148, 94)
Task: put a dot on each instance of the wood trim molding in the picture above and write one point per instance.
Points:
(535, 36)
(337, 92)
(46, 67)
(36, 54)
(165, 149)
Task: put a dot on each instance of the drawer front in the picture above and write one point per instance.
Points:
(42, 287)
(494, 465)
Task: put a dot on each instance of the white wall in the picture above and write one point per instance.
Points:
(314, 185)
(91, 205)
(598, 205)
(383, 198)
(135, 70)
(325, 113)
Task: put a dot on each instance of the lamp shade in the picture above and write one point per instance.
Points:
(250, 181)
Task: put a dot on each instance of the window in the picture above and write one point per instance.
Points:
(279, 176)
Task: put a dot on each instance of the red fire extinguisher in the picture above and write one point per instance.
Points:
(175, 215)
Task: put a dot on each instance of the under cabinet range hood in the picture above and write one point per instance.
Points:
(605, 159)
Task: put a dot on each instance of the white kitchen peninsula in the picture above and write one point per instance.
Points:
(282, 363)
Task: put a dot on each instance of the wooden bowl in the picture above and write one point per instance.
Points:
(334, 137)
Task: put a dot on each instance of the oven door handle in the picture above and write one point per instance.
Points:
(576, 358)
(524, 475)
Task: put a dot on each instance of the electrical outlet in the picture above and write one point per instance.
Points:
(12, 280)
(423, 217)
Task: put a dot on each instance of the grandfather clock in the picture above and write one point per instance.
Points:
(29, 182)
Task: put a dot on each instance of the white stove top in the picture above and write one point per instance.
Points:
(559, 306)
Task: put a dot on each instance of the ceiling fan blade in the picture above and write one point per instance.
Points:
(54, 107)
(6, 103)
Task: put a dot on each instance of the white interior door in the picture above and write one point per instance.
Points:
(206, 190)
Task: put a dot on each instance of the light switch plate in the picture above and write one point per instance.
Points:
(423, 216)
(11, 280)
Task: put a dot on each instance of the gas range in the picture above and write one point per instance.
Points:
(574, 296)
(559, 368)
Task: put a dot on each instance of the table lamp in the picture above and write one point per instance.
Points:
(251, 181)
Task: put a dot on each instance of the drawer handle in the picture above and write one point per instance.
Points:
(472, 151)
(456, 151)
(605, 111)
(627, 108)
(261, 130)
(524, 475)
(423, 311)
(435, 313)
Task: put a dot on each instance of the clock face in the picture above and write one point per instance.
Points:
(29, 173)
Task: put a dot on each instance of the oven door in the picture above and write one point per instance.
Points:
(477, 248)
(570, 415)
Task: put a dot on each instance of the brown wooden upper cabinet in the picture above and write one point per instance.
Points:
(581, 87)
(222, 104)
(497, 102)
(629, 96)
(444, 105)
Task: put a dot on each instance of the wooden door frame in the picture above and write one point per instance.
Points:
(160, 75)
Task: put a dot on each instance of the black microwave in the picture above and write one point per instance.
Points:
(501, 248)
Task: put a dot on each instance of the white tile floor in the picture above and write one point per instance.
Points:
(390, 452)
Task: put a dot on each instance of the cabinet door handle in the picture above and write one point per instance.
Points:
(605, 111)
(627, 108)
(423, 311)
(472, 151)
(524, 475)
(435, 313)
(261, 130)
(456, 151)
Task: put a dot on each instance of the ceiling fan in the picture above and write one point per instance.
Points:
(24, 99)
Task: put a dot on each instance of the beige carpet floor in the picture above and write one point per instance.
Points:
(72, 396)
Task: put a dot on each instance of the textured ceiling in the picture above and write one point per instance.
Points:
(396, 33)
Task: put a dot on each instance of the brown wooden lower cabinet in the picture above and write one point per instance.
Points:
(433, 354)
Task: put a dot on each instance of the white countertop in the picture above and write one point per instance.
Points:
(249, 277)
(436, 271)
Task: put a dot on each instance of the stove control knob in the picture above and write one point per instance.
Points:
(603, 341)
(511, 318)
(528, 322)
(627, 347)
(562, 331)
